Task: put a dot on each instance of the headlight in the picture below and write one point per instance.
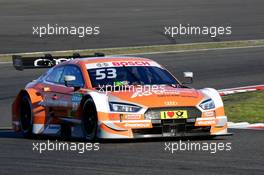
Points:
(122, 107)
(207, 104)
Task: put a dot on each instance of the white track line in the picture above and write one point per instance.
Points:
(145, 53)
(5, 128)
(194, 50)
(8, 62)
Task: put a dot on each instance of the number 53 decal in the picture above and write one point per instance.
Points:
(105, 73)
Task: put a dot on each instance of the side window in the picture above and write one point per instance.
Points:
(55, 75)
(73, 70)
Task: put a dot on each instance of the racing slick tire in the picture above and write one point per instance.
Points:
(89, 120)
(26, 117)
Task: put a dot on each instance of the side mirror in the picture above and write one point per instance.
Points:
(68, 81)
(188, 76)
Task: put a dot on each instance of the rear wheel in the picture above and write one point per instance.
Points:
(26, 116)
(89, 120)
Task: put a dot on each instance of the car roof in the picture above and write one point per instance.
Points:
(106, 59)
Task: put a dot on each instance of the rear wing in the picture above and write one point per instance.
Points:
(46, 61)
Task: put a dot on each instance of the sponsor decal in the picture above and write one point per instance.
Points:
(205, 121)
(121, 83)
(137, 125)
(209, 113)
(131, 63)
(121, 64)
(76, 99)
(133, 117)
(54, 103)
(179, 114)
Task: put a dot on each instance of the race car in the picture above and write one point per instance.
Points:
(113, 97)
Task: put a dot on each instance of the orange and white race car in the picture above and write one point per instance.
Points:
(113, 97)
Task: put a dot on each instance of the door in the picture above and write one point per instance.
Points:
(70, 95)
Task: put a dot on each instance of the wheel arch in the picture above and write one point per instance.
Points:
(85, 97)
(100, 102)
(34, 98)
(82, 103)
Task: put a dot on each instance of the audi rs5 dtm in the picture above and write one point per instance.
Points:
(97, 96)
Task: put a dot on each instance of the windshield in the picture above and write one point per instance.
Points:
(133, 75)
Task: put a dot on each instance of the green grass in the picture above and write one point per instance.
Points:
(148, 49)
(245, 107)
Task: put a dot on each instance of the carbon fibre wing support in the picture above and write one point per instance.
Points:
(46, 61)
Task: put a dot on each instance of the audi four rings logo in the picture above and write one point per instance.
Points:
(102, 64)
(39, 62)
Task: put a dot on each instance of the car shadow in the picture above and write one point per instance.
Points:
(15, 135)
(161, 139)
(8, 133)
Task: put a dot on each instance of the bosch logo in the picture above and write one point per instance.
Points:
(131, 63)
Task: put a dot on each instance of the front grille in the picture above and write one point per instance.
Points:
(172, 127)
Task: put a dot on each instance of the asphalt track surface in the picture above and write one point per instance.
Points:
(218, 69)
(123, 22)
(135, 157)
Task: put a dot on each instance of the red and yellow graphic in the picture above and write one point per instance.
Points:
(179, 114)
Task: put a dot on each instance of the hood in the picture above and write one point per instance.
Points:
(162, 97)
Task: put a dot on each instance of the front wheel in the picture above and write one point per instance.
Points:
(89, 120)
